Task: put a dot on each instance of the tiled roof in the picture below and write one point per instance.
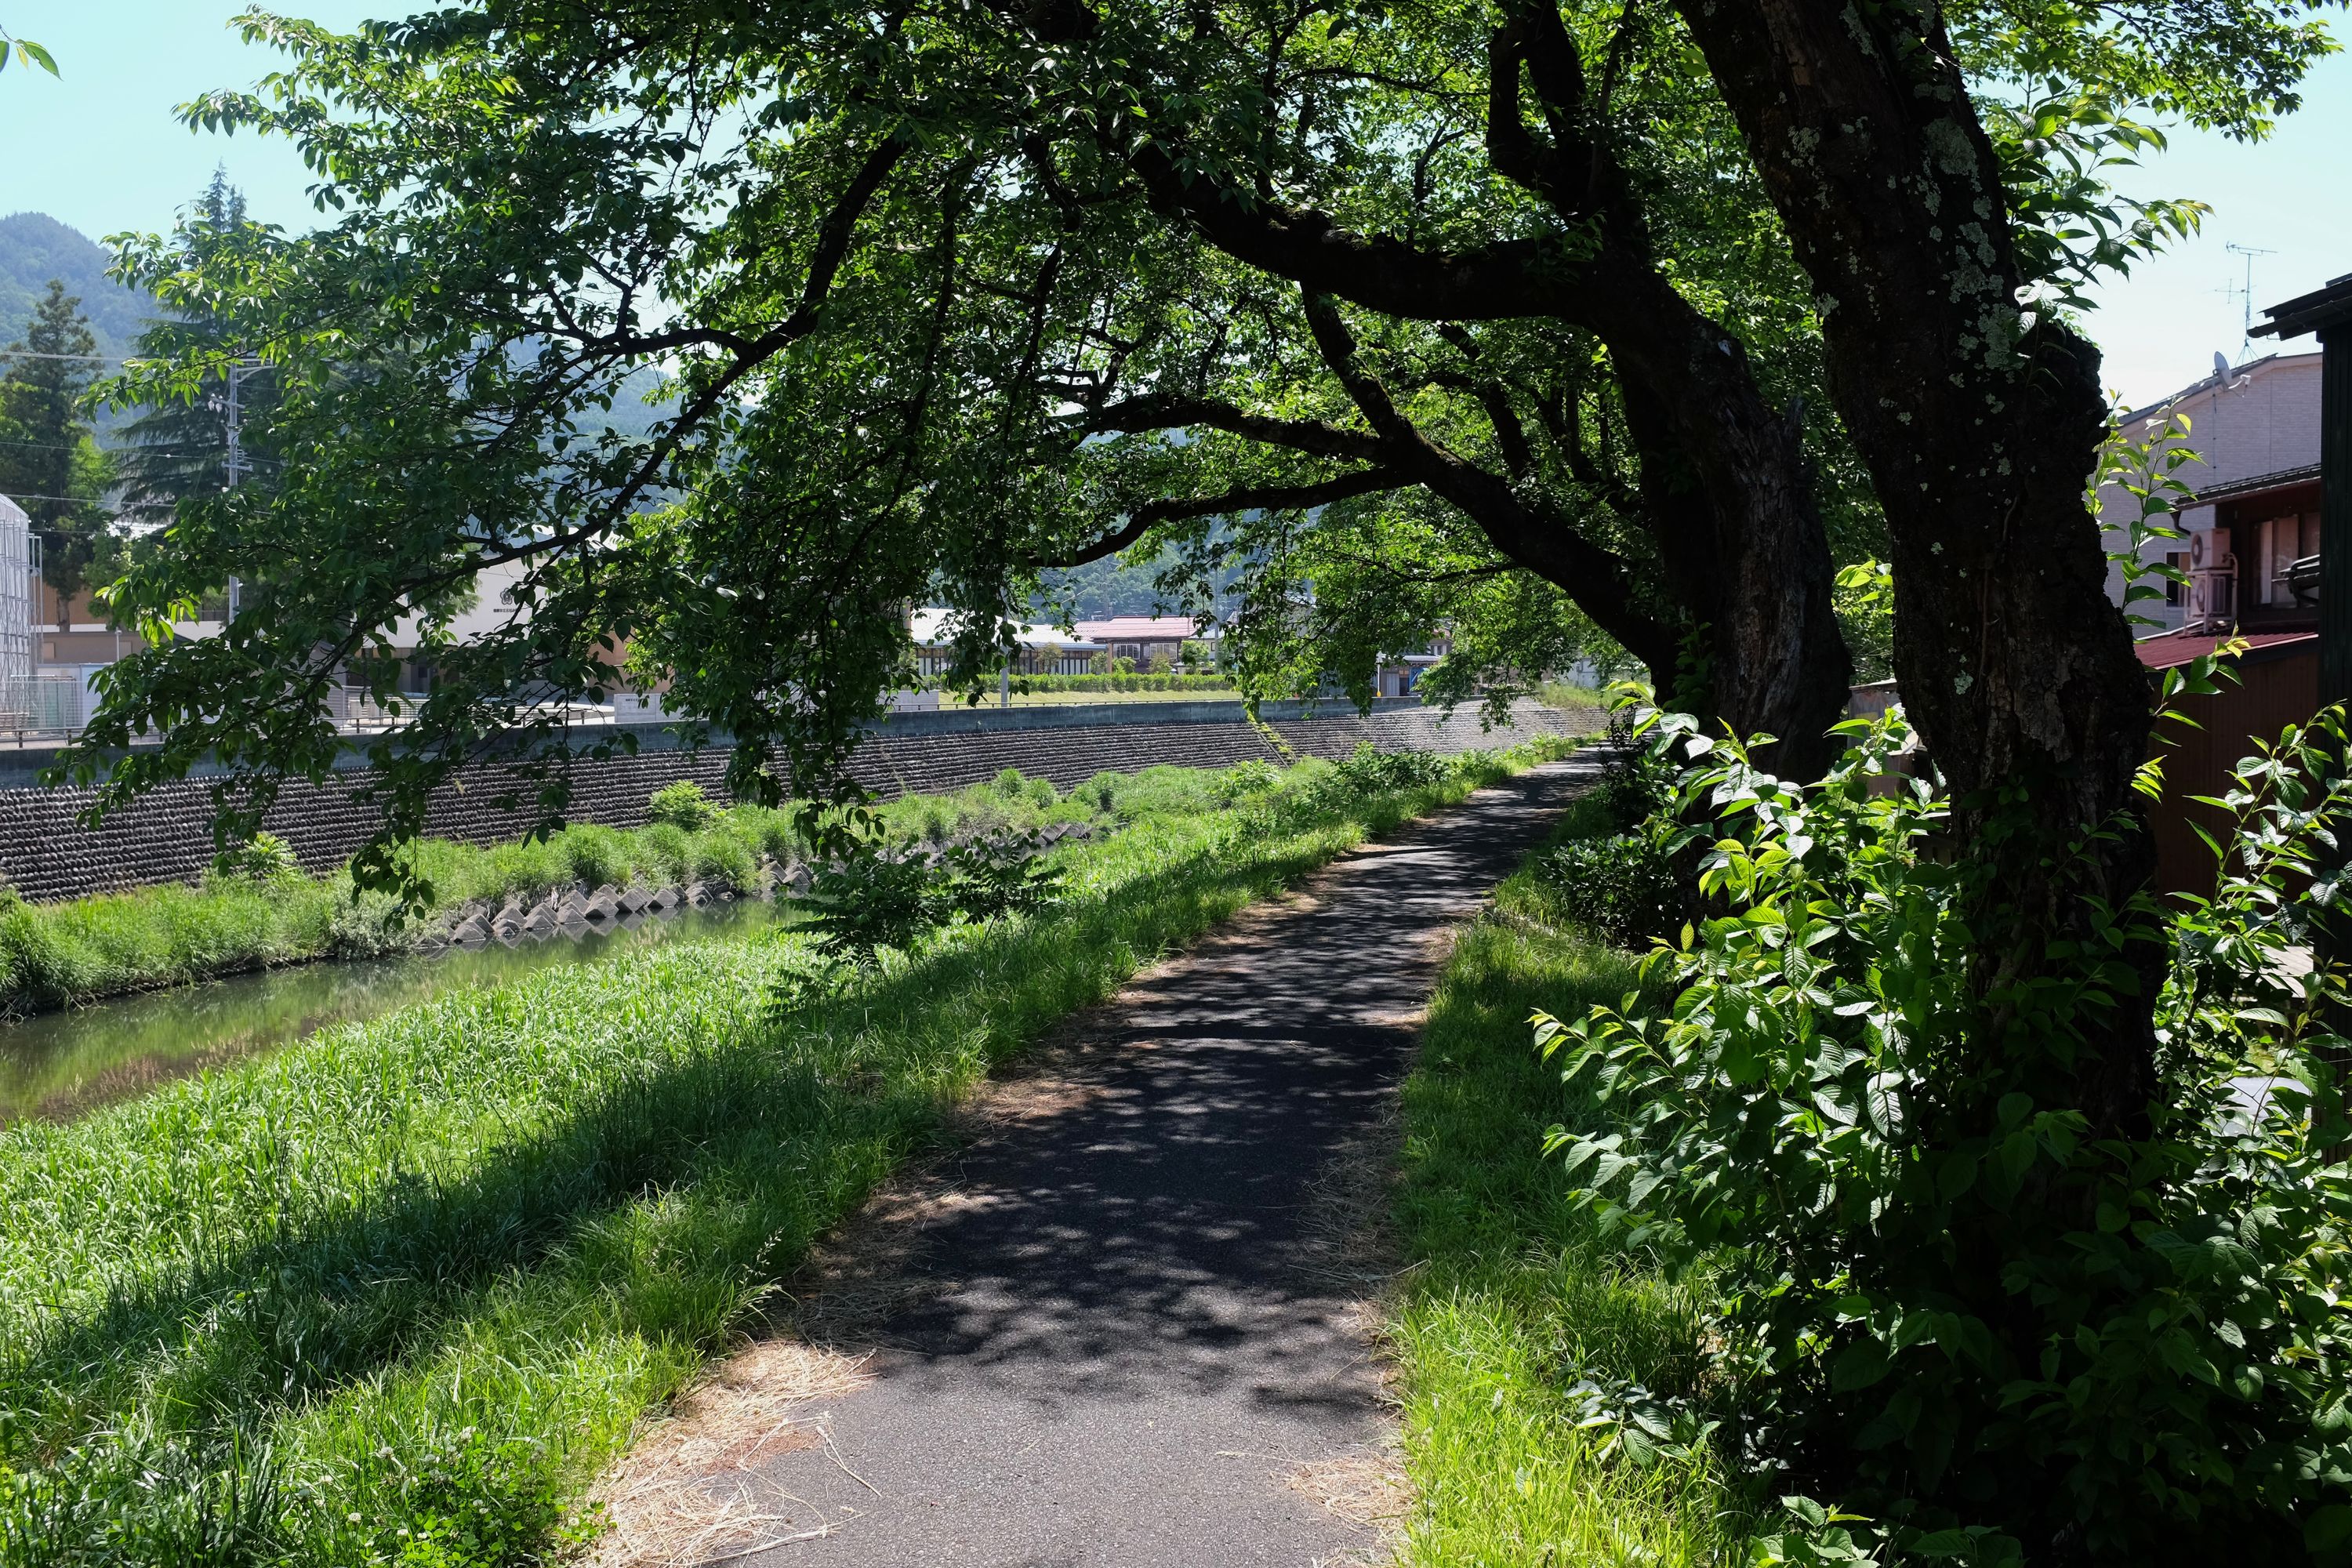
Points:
(936, 628)
(1155, 628)
(2302, 475)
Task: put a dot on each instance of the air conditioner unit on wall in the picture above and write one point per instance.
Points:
(2212, 581)
(2209, 550)
(2213, 597)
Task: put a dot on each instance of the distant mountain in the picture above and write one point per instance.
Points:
(35, 248)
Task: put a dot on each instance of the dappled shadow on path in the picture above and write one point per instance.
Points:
(1131, 1286)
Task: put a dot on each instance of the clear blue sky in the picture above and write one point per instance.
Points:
(2161, 326)
(98, 149)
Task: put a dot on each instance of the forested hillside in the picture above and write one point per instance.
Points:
(35, 248)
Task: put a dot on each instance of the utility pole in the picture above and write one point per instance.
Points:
(233, 463)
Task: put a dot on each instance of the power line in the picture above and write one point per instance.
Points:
(204, 452)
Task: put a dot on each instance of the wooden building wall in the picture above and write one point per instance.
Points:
(2275, 688)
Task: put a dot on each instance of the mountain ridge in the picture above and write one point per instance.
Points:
(35, 248)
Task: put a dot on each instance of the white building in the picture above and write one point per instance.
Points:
(2254, 429)
(1045, 650)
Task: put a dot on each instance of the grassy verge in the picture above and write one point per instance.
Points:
(1516, 1301)
(54, 955)
(395, 1294)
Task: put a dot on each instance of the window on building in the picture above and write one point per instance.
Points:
(2176, 593)
(2284, 541)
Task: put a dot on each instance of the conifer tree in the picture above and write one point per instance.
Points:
(49, 464)
(179, 446)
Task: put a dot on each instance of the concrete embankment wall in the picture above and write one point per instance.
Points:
(167, 836)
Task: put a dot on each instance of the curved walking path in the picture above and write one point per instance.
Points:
(1112, 1329)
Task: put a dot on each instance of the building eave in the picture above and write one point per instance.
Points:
(2283, 479)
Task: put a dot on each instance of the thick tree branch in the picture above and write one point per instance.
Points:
(1509, 279)
(1166, 411)
(1510, 431)
(1245, 498)
(1338, 345)
(1527, 531)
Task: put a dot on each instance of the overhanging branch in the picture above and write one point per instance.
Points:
(1245, 498)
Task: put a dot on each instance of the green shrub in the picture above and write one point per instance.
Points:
(265, 858)
(1013, 784)
(722, 859)
(363, 926)
(1634, 791)
(984, 878)
(867, 902)
(683, 806)
(595, 856)
(1942, 1298)
(1101, 792)
(1623, 886)
(1369, 768)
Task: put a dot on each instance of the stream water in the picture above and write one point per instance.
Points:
(59, 1065)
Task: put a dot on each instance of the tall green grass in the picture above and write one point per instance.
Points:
(1515, 1299)
(394, 1295)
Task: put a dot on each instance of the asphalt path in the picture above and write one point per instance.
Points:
(1109, 1330)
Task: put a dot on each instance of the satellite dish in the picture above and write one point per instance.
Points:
(2220, 364)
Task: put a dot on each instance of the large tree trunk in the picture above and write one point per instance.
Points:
(1980, 427)
(1736, 521)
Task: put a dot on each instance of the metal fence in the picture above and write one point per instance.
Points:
(44, 707)
(1033, 661)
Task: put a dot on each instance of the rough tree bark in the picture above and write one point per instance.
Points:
(1979, 424)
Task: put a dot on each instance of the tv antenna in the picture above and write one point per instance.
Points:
(2245, 296)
